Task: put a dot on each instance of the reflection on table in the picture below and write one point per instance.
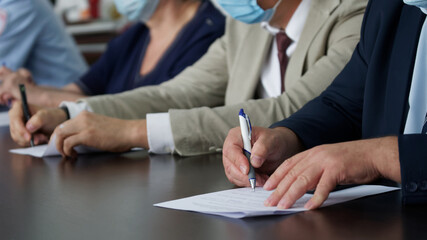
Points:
(110, 196)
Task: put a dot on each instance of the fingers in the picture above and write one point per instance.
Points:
(304, 182)
(18, 131)
(259, 154)
(282, 172)
(25, 74)
(4, 71)
(40, 138)
(235, 175)
(296, 176)
(71, 142)
(295, 184)
(235, 163)
(62, 133)
(326, 185)
(38, 121)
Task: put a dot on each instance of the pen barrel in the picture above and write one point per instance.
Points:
(25, 109)
(251, 174)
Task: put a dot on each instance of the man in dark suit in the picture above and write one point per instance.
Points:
(369, 124)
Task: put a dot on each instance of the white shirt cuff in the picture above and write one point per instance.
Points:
(75, 108)
(159, 133)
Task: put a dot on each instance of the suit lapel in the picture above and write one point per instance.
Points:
(253, 54)
(319, 12)
(401, 67)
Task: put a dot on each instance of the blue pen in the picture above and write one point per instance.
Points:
(246, 128)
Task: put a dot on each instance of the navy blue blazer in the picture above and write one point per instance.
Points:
(369, 98)
(118, 69)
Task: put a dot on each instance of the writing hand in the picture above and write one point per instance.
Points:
(270, 148)
(41, 124)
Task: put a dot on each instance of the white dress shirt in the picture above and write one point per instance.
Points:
(271, 81)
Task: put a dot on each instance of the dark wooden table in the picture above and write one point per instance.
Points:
(111, 196)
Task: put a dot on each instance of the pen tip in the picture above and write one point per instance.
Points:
(252, 181)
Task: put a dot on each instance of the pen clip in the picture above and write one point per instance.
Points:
(248, 121)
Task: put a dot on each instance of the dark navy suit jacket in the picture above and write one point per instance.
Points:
(369, 98)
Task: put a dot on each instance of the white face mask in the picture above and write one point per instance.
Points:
(417, 3)
(134, 10)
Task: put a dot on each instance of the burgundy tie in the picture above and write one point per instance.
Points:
(283, 42)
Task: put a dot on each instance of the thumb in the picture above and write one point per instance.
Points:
(36, 122)
(259, 154)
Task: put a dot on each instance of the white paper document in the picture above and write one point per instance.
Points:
(243, 202)
(49, 150)
(4, 119)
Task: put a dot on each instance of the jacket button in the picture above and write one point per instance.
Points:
(423, 185)
(411, 187)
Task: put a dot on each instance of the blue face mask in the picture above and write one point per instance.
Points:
(247, 11)
(134, 10)
(417, 3)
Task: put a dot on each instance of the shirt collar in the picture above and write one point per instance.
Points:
(295, 25)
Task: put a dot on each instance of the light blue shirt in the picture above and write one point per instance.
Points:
(33, 37)
(418, 93)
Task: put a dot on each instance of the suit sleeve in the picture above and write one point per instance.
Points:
(203, 130)
(203, 84)
(413, 168)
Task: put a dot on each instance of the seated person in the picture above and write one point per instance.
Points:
(240, 70)
(33, 37)
(369, 124)
(169, 36)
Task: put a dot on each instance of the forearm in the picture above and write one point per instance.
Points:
(385, 155)
(50, 97)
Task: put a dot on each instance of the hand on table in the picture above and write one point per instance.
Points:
(101, 132)
(324, 167)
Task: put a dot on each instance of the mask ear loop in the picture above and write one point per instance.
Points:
(272, 11)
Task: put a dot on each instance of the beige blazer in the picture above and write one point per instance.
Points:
(204, 100)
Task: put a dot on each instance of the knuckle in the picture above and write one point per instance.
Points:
(262, 149)
(292, 174)
(67, 146)
(303, 180)
(59, 133)
(89, 132)
(318, 150)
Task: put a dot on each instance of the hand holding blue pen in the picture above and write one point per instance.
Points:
(246, 128)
